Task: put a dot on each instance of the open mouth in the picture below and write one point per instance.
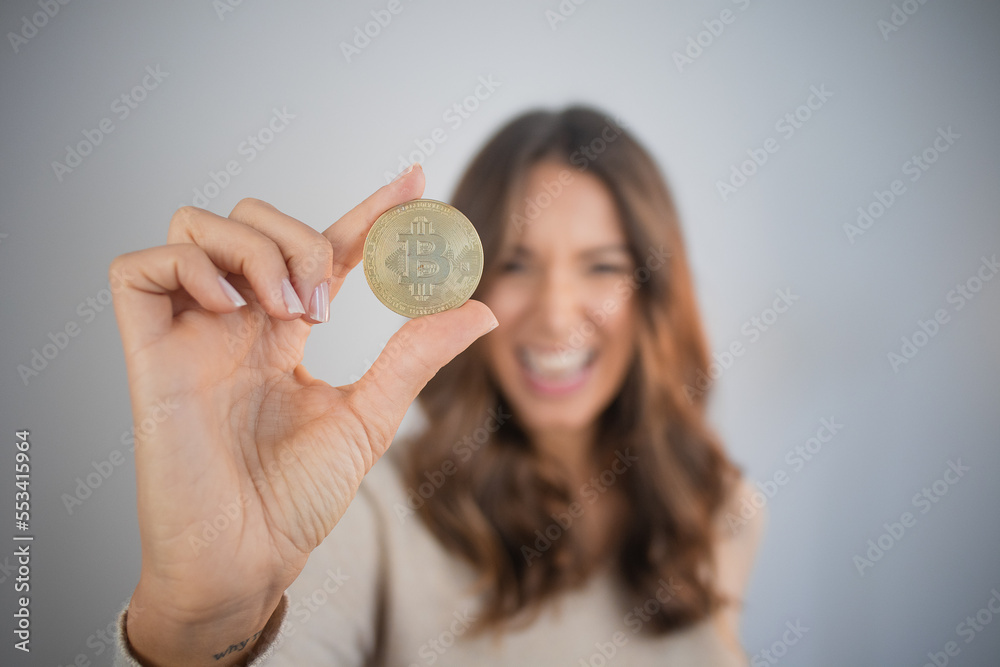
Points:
(555, 372)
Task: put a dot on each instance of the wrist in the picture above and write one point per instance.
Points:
(160, 635)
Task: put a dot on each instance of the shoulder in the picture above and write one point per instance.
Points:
(743, 517)
(740, 525)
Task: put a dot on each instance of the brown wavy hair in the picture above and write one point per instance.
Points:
(495, 494)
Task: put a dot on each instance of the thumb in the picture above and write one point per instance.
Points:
(411, 358)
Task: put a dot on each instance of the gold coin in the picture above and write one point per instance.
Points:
(423, 256)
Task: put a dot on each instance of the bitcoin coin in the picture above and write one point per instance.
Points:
(423, 256)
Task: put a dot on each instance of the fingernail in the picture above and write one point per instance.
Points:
(231, 292)
(495, 325)
(292, 303)
(404, 172)
(319, 304)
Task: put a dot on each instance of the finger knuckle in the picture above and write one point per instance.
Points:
(262, 251)
(122, 271)
(318, 255)
(182, 223)
(118, 267)
(248, 206)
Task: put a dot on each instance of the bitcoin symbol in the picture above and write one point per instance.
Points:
(423, 256)
(425, 264)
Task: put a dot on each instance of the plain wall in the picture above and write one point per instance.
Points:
(856, 294)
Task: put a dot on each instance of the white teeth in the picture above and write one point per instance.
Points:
(559, 363)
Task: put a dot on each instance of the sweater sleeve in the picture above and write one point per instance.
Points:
(331, 614)
(125, 656)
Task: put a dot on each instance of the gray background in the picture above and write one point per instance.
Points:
(827, 356)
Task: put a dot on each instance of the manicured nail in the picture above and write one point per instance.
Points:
(319, 304)
(231, 292)
(292, 303)
(405, 172)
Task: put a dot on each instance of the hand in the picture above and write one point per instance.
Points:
(257, 460)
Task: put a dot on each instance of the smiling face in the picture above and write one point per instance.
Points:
(562, 295)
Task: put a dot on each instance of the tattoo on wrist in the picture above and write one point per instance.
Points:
(237, 647)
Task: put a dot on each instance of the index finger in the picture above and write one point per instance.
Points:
(347, 235)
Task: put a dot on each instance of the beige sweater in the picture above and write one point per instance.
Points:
(381, 590)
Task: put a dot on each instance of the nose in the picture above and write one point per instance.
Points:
(559, 303)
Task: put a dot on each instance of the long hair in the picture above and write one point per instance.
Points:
(490, 496)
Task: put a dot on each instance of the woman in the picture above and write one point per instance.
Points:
(565, 503)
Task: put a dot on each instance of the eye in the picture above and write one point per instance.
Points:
(609, 268)
(511, 266)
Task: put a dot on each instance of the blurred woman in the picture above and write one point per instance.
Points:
(565, 501)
